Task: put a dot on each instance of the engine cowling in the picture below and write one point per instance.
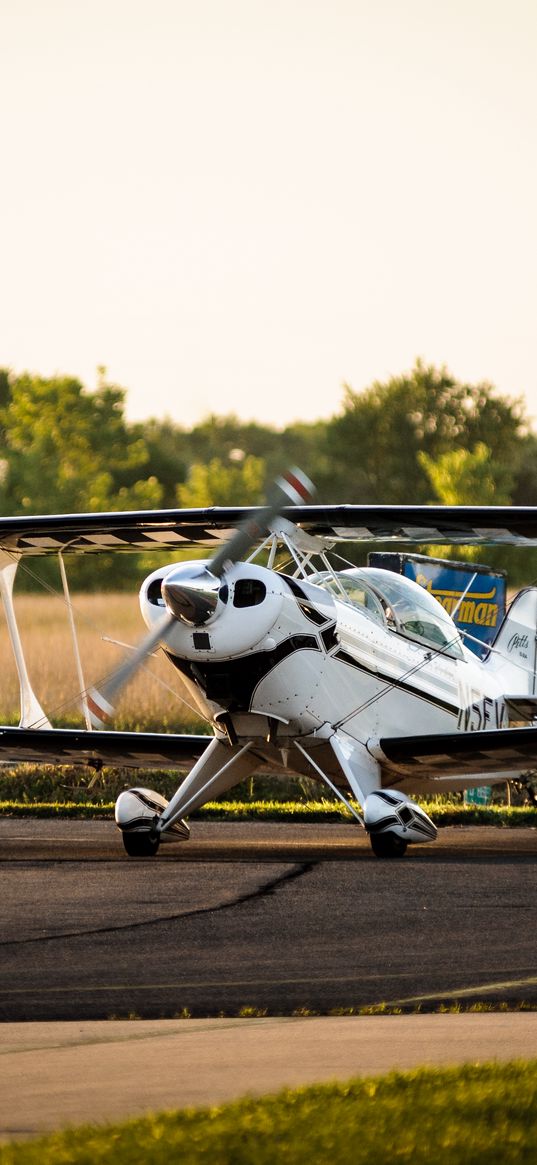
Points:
(218, 625)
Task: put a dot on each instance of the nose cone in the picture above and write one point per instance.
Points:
(191, 593)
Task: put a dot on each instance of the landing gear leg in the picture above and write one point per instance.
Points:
(387, 845)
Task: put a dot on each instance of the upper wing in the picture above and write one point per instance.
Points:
(459, 754)
(66, 746)
(511, 525)
(173, 529)
(136, 530)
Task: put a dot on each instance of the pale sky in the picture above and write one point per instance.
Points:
(236, 205)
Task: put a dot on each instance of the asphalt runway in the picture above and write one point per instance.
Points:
(288, 918)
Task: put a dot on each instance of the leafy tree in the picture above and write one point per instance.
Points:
(5, 387)
(473, 477)
(65, 449)
(524, 468)
(373, 445)
(174, 452)
(225, 437)
(217, 483)
(465, 477)
(70, 450)
(169, 455)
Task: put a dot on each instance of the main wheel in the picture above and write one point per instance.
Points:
(387, 845)
(141, 845)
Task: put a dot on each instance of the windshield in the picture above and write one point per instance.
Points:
(349, 587)
(395, 600)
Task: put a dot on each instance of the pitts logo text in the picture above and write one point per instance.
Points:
(518, 643)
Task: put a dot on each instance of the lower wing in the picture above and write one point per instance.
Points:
(66, 746)
(459, 754)
(438, 755)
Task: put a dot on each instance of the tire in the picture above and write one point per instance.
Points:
(141, 845)
(387, 845)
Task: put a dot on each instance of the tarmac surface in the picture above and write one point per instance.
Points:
(249, 916)
(55, 1074)
(282, 918)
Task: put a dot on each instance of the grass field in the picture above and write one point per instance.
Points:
(155, 698)
(475, 1115)
(79, 801)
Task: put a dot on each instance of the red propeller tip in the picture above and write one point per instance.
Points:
(297, 486)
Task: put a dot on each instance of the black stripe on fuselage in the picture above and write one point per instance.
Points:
(231, 683)
(401, 684)
(305, 604)
(329, 637)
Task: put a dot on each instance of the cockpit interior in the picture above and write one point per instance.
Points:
(397, 603)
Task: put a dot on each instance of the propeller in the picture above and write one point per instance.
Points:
(190, 592)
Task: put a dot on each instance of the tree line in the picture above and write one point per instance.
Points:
(420, 437)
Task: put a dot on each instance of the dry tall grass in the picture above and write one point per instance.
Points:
(45, 632)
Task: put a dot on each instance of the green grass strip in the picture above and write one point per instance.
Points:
(475, 1115)
(295, 811)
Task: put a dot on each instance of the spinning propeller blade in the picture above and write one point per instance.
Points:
(191, 592)
(101, 702)
(293, 488)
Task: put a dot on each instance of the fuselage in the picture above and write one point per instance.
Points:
(361, 651)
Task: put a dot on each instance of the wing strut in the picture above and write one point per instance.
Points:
(76, 649)
(32, 715)
(330, 784)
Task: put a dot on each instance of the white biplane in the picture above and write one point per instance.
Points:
(355, 676)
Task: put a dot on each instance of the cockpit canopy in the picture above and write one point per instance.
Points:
(397, 603)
